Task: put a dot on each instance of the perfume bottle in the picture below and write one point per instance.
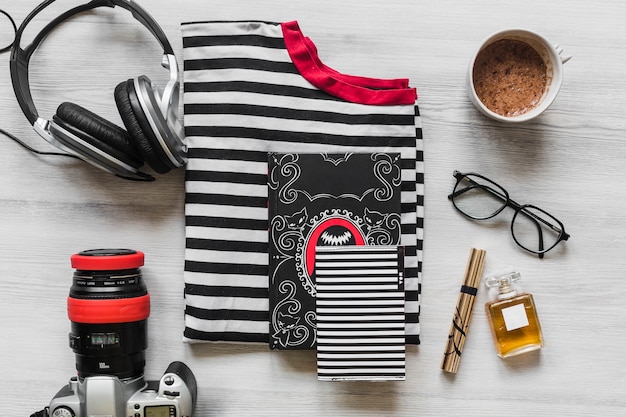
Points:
(513, 317)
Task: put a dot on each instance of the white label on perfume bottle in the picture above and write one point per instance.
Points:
(515, 317)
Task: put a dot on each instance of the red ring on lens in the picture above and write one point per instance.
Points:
(120, 310)
(108, 262)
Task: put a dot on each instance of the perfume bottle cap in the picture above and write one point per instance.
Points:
(504, 283)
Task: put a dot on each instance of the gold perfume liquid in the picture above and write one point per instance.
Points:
(513, 318)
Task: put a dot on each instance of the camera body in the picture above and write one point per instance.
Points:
(104, 395)
(108, 307)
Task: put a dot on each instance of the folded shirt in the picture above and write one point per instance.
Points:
(256, 87)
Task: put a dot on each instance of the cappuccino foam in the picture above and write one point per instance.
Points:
(510, 77)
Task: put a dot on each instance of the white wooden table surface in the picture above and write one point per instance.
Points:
(570, 161)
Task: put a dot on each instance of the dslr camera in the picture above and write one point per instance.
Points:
(108, 307)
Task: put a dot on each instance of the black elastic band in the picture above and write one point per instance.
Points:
(469, 290)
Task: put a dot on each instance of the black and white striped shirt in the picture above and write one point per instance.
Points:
(255, 87)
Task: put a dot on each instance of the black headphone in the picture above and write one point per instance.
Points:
(154, 133)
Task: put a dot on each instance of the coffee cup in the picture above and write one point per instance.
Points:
(515, 75)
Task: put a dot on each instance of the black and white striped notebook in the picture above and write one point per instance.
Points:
(360, 313)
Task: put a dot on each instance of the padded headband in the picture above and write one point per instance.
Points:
(20, 58)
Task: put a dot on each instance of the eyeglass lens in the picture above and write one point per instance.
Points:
(479, 198)
(535, 230)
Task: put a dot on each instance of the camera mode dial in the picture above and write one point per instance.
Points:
(62, 412)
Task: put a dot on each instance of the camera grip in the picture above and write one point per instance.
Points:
(183, 371)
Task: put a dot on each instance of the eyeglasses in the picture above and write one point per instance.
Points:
(479, 198)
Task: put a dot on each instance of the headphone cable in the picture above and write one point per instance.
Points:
(24, 145)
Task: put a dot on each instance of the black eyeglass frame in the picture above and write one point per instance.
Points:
(508, 202)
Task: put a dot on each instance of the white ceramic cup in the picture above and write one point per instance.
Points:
(552, 57)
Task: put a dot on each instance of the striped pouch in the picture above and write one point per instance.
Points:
(255, 87)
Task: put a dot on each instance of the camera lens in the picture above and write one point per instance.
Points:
(108, 307)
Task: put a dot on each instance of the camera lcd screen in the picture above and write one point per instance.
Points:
(160, 411)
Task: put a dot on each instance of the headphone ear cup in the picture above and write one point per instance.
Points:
(139, 129)
(99, 132)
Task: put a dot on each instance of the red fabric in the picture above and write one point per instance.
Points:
(362, 90)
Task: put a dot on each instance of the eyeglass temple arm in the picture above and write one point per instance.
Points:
(459, 177)
(476, 185)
